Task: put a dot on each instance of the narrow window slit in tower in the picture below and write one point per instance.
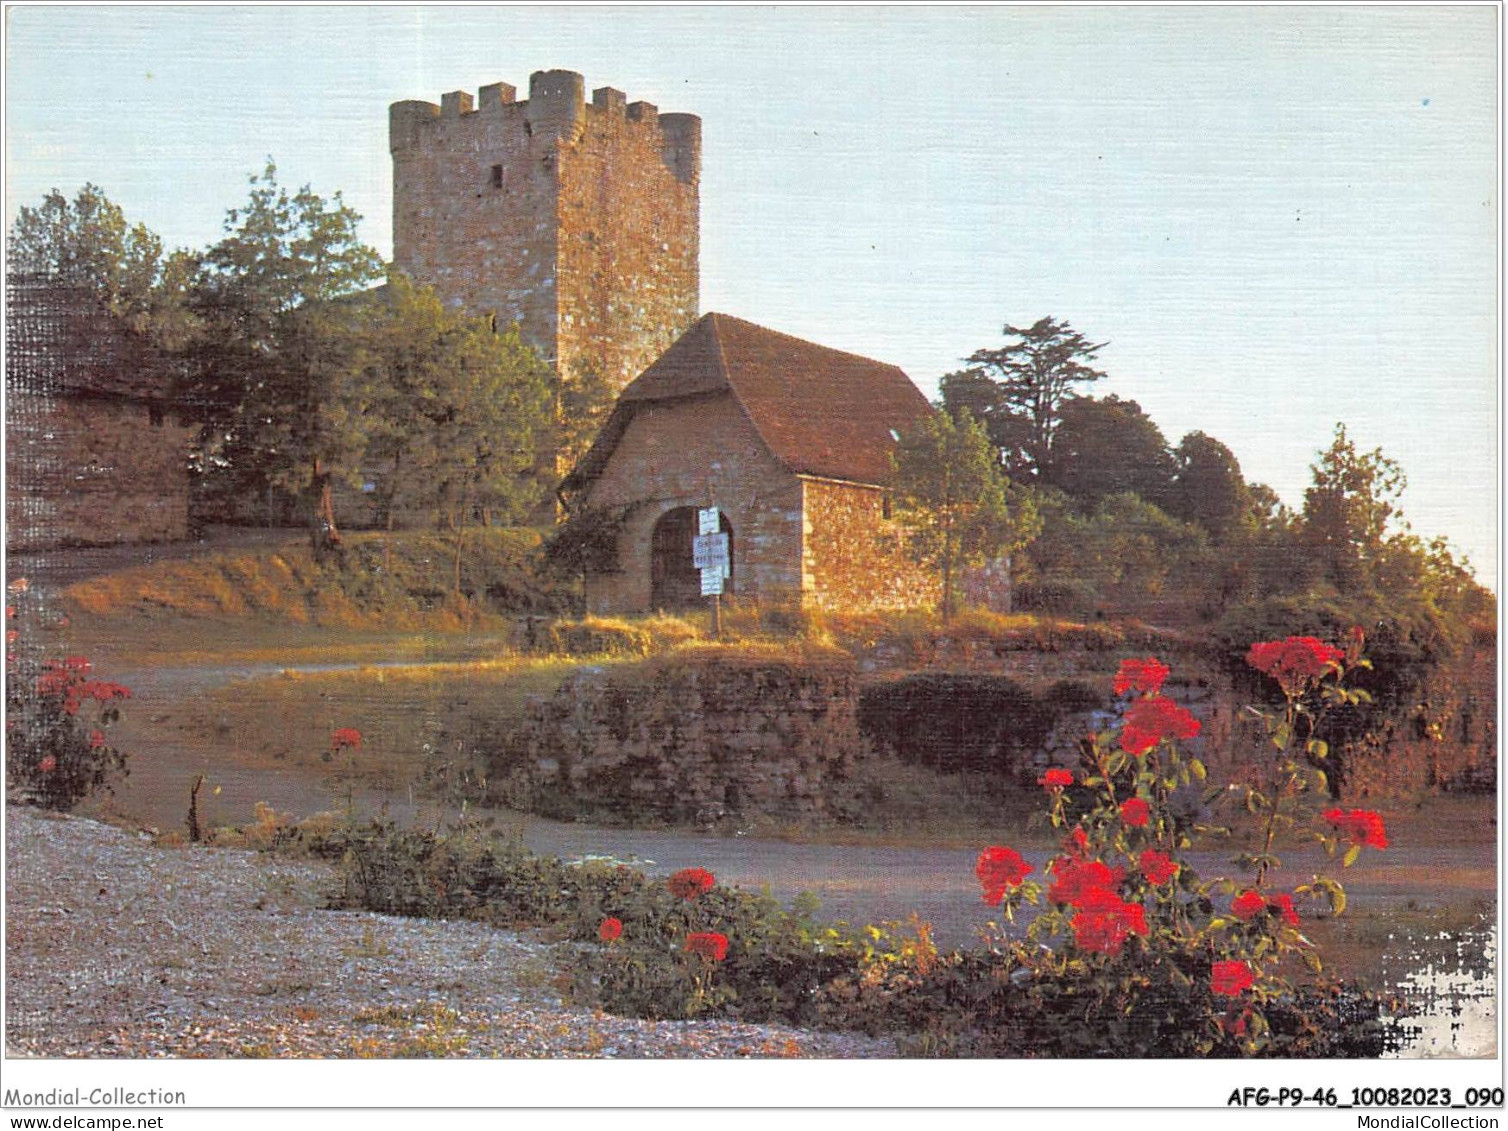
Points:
(497, 176)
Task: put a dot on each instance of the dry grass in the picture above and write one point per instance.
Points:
(420, 725)
(402, 582)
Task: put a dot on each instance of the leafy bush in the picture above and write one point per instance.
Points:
(963, 722)
(1132, 952)
(57, 722)
(775, 960)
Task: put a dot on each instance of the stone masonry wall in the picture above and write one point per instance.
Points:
(853, 557)
(577, 220)
(629, 240)
(688, 740)
(92, 471)
(674, 455)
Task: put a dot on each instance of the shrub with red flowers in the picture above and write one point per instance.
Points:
(1124, 925)
(1146, 675)
(710, 945)
(689, 883)
(1056, 778)
(57, 747)
(999, 870)
(1361, 827)
(345, 737)
(1297, 663)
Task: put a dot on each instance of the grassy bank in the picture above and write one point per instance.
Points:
(420, 724)
(402, 581)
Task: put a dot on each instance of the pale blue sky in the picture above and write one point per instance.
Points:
(1278, 218)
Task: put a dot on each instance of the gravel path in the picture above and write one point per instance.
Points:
(116, 947)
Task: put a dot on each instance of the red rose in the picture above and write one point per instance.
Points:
(1074, 880)
(1231, 978)
(103, 690)
(610, 929)
(1283, 904)
(1134, 812)
(1296, 663)
(1359, 826)
(1105, 921)
(76, 664)
(1150, 720)
(47, 764)
(1248, 905)
(1056, 778)
(1140, 675)
(689, 883)
(96, 739)
(345, 736)
(709, 944)
(999, 869)
(1158, 867)
(1077, 843)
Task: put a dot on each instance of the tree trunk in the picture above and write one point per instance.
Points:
(324, 536)
(947, 593)
(392, 496)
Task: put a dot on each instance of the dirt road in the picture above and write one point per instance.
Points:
(858, 884)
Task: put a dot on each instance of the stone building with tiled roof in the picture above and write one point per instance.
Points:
(790, 440)
(93, 454)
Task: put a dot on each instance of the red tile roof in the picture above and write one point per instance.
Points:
(820, 411)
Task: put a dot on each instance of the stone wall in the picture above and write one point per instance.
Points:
(86, 471)
(578, 220)
(680, 454)
(1019, 724)
(853, 556)
(687, 740)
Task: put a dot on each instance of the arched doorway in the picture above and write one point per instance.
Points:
(674, 581)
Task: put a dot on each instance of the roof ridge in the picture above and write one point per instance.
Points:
(714, 317)
(806, 342)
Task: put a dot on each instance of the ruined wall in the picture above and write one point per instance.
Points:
(93, 471)
(669, 456)
(688, 740)
(577, 220)
(853, 557)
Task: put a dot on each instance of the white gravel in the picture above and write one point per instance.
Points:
(118, 947)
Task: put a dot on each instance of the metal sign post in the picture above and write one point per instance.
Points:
(709, 553)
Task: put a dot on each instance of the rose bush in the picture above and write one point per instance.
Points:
(1126, 929)
(58, 718)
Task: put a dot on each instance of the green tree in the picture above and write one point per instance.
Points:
(1033, 377)
(1208, 487)
(955, 501)
(88, 244)
(584, 398)
(1347, 512)
(275, 345)
(972, 391)
(453, 411)
(1107, 447)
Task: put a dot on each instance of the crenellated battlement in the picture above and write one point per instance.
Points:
(573, 213)
(556, 110)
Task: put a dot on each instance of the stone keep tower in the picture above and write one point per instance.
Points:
(578, 220)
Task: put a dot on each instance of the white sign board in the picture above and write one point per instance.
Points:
(712, 582)
(708, 520)
(710, 551)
